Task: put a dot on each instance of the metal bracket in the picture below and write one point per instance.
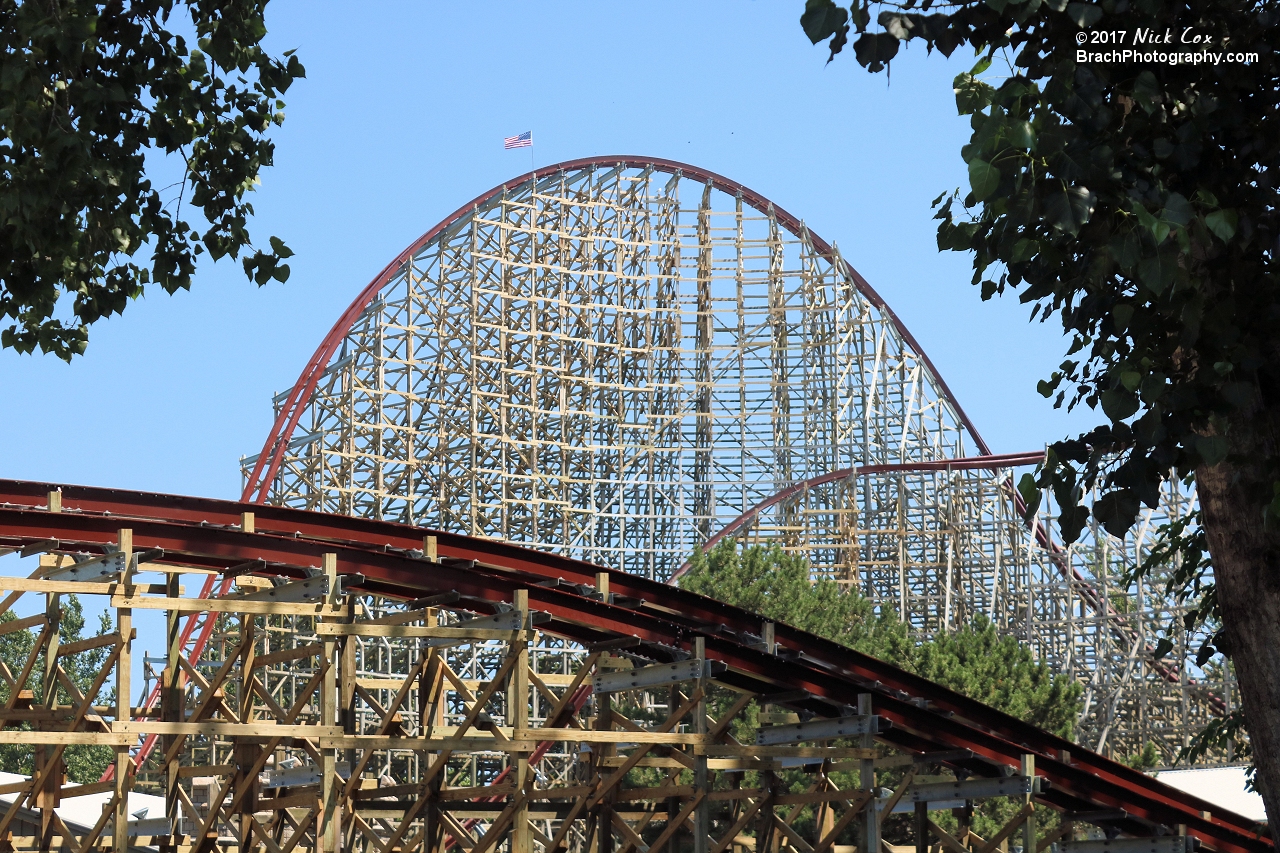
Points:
(822, 729)
(652, 676)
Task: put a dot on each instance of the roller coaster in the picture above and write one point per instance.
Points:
(624, 359)
(442, 616)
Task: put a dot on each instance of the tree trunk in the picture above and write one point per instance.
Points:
(1246, 566)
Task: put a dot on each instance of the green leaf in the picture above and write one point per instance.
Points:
(822, 19)
(1023, 250)
(1158, 227)
(1069, 209)
(1146, 91)
(1222, 223)
(1130, 379)
(1177, 209)
(1122, 314)
(873, 50)
(983, 178)
(1156, 273)
(1119, 405)
(1212, 449)
(1030, 493)
(1021, 134)
(1084, 14)
(281, 250)
(1163, 647)
(972, 95)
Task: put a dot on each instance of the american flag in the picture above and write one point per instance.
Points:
(524, 140)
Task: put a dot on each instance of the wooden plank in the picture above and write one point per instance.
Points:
(284, 655)
(215, 605)
(21, 624)
(66, 738)
(431, 744)
(364, 629)
(595, 736)
(92, 643)
(750, 751)
(219, 729)
(78, 587)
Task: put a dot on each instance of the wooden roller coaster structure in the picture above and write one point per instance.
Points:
(611, 714)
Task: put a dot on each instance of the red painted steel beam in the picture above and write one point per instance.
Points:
(269, 459)
(926, 717)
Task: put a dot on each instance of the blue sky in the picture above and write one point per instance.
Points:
(401, 120)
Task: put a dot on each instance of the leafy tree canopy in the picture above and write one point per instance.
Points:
(1134, 198)
(92, 92)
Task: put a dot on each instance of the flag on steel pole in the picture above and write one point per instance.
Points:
(523, 140)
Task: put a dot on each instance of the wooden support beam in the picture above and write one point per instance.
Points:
(124, 692)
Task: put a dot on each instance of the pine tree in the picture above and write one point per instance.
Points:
(974, 660)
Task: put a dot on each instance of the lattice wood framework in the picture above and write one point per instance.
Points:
(326, 718)
(614, 360)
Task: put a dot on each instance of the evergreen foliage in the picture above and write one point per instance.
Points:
(975, 661)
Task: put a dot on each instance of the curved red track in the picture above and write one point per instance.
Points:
(1006, 460)
(268, 462)
(204, 532)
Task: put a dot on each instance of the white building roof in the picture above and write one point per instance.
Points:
(81, 813)
(1222, 786)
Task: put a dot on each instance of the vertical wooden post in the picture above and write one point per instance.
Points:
(673, 803)
(245, 784)
(171, 705)
(430, 716)
(518, 701)
(48, 795)
(701, 778)
(124, 691)
(603, 816)
(327, 830)
(1029, 826)
(764, 817)
(867, 781)
(347, 647)
(430, 549)
(767, 633)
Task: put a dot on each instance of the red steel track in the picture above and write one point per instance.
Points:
(925, 717)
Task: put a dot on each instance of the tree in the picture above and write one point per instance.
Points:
(975, 660)
(94, 93)
(85, 763)
(1135, 197)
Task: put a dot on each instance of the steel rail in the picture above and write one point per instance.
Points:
(926, 717)
(273, 449)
